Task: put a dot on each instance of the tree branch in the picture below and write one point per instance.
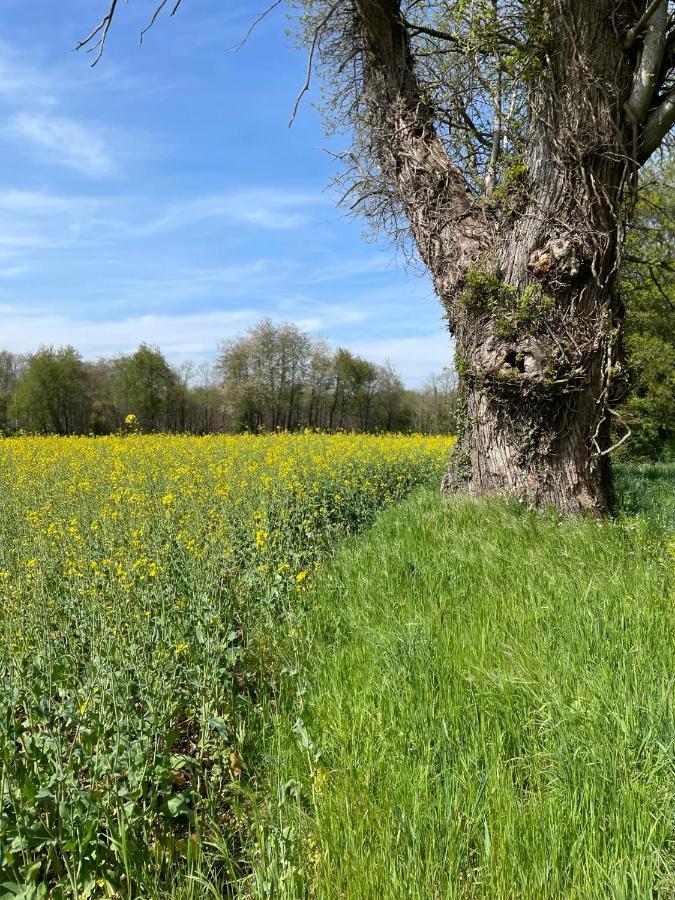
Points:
(101, 29)
(653, 48)
(657, 126)
(310, 60)
(634, 33)
(255, 24)
(153, 19)
(447, 226)
(431, 32)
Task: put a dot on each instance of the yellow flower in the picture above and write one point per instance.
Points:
(320, 779)
(300, 577)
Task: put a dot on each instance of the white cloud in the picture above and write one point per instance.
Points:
(161, 287)
(42, 203)
(269, 208)
(65, 141)
(374, 264)
(415, 358)
(180, 336)
(20, 83)
(14, 271)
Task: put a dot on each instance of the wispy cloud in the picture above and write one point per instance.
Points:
(415, 358)
(268, 208)
(180, 335)
(43, 203)
(20, 82)
(13, 271)
(188, 247)
(32, 222)
(374, 264)
(65, 141)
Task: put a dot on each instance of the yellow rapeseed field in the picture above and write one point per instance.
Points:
(141, 582)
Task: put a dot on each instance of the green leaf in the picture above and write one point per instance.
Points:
(177, 806)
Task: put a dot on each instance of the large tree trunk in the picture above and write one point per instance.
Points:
(537, 320)
(528, 279)
(541, 450)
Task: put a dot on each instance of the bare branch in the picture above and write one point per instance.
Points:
(157, 12)
(101, 29)
(310, 60)
(623, 440)
(254, 25)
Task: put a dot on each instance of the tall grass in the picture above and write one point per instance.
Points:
(647, 490)
(479, 702)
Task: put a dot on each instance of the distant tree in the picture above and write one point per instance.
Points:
(149, 388)
(10, 365)
(106, 402)
(207, 412)
(241, 388)
(52, 395)
(435, 404)
(391, 411)
(276, 376)
(264, 375)
(355, 380)
(320, 385)
(273, 376)
(649, 292)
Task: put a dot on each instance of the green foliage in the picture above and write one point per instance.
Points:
(276, 376)
(461, 364)
(481, 698)
(512, 191)
(52, 395)
(273, 377)
(148, 385)
(510, 309)
(484, 291)
(647, 490)
(649, 292)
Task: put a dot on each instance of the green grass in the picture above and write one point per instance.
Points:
(479, 702)
(647, 490)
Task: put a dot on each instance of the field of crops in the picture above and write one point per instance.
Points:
(140, 581)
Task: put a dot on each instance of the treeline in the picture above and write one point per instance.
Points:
(272, 377)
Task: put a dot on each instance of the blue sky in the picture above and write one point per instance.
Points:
(161, 197)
